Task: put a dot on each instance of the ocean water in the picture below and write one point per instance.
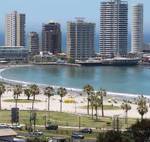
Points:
(134, 80)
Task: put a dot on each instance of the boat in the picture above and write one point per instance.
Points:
(120, 61)
(90, 62)
(117, 61)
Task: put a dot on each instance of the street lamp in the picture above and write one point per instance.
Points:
(79, 118)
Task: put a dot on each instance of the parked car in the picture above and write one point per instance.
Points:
(18, 140)
(51, 126)
(37, 133)
(77, 135)
(86, 130)
(16, 127)
(57, 139)
(4, 126)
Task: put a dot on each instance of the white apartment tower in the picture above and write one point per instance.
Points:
(137, 36)
(80, 39)
(113, 28)
(15, 29)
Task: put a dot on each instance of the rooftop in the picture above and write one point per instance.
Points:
(7, 132)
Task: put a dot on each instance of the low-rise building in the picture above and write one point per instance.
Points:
(14, 53)
(146, 48)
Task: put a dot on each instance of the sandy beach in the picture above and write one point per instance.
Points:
(78, 107)
(81, 101)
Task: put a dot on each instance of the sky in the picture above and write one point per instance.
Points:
(42, 11)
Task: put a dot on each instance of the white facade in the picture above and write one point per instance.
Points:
(15, 29)
(137, 28)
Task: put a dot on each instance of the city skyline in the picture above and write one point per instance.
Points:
(36, 17)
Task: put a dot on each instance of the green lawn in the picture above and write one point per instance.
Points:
(63, 119)
(21, 101)
(106, 107)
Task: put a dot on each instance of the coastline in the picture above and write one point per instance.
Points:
(59, 64)
(112, 98)
(12, 82)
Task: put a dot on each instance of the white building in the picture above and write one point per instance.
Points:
(137, 28)
(15, 29)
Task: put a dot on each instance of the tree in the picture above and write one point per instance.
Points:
(126, 107)
(61, 92)
(49, 91)
(102, 93)
(142, 106)
(17, 91)
(91, 98)
(96, 102)
(88, 89)
(140, 130)
(109, 136)
(71, 60)
(115, 136)
(34, 90)
(2, 90)
(27, 92)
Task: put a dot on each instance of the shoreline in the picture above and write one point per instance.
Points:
(112, 99)
(59, 64)
(77, 90)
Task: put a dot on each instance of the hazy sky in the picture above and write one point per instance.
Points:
(42, 11)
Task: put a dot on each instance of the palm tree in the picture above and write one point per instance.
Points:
(49, 91)
(61, 92)
(91, 98)
(126, 107)
(17, 91)
(27, 92)
(96, 103)
(34, 90)
(2, 90)
(102, 93)
(142, 107)
(88, 89)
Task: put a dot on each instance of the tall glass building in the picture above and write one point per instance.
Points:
(113, 28)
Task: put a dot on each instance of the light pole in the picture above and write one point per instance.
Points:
(75, 106)
(79, 122)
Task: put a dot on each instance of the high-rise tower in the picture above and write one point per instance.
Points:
(15, 29)
(137, 28)
(34, 43)
(51, 38)
(80, 39)
(113, 28)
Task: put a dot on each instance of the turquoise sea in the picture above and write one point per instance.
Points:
(134, 80)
